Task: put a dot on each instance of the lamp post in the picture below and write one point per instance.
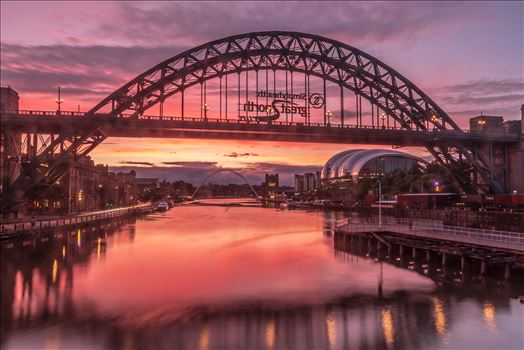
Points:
(434, 119)
(269, 110)
(383, 118)
(328, 117)
(58, 101)
(205, 108)
(482, 124)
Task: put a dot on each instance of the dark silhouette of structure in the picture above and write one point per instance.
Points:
(398, 112)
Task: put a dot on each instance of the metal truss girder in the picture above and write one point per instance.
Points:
(289, 43)
(478, 164)
(48, 166)
(389, 104)
(328, 59)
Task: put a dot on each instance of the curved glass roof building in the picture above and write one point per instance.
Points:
(358, 163)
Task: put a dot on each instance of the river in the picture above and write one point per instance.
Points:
(236, 277)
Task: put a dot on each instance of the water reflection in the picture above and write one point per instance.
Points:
(237, 278)
(331, 329)
(440, 318)
(387, 326)
(489, 315)
(270, 334)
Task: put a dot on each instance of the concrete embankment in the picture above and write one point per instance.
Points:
(30, 226)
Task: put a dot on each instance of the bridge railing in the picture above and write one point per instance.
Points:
(246, 121)
(208, 120)
(433, 228)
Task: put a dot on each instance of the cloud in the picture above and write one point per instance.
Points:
(137, 163)
(196, 164)
(199, 22)
(93, 71)
(488, 96)
(238, 155)
(485, 86)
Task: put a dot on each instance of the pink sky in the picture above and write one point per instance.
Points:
(467, 56)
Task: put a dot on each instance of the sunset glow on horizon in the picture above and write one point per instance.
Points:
(92, 48)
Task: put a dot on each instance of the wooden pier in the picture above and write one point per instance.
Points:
(461, 251)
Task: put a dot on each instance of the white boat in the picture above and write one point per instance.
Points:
(287, 204)
(162, 206)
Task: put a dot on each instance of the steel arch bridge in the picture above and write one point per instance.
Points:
(312, 55)
(220, 171)
(391, 97)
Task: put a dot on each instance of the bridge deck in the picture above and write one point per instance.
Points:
(176, 127)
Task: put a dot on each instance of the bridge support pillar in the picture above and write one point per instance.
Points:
(464, 268)
(516, 166)
(507, 271)
(444, 264)
(482, 268)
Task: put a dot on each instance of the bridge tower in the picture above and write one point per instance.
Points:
(11, 143)
(516, 158)
(507, 160)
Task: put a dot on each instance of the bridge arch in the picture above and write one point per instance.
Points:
(220, 171)
(312, 55)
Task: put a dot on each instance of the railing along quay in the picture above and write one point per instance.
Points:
(9, 229)
(434, 229)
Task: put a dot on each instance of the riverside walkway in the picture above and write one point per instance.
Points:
(17, 228)
(513, 241)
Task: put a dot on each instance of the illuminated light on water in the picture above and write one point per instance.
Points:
(270, 334)
(440, 318)
(63, 252)
(203, 339)
(387, 327)
(331, 329)
(55, 270)
(98, 245)
(489, 316)
(79, 238)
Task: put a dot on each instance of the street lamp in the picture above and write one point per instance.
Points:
(482, 124)
(383, 118)
(328, 117)
(205, 108)
(58, 101)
